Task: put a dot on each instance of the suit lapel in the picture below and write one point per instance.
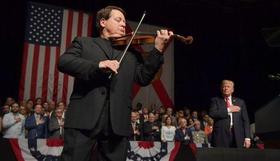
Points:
(234, 101)
(223, 102)
(104, 46)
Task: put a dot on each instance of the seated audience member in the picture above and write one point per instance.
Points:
(13, 123)
(135, 127)
(198, 135)
(168, 130)
(182, 134)
(151, 129)
(36, 124)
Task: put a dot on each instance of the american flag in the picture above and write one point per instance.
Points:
(49, 30)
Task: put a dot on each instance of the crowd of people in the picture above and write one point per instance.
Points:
(32, 119)
(38, 119)
(165, 124)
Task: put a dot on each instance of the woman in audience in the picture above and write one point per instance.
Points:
(168, 130)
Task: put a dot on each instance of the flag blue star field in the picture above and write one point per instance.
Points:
(49, 30)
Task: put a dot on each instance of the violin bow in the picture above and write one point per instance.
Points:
(130, 41)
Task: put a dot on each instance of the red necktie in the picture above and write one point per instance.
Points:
(227, 102)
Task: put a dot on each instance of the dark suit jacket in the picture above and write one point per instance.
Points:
(181, 136)
(134, 137)
(92, 86)
(150, 134)
(218, 111)
(36, 131)
(54, 128)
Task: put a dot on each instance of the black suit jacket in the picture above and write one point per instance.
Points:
(54, 128)
(185, 138)
(92, 86)
(241, 127)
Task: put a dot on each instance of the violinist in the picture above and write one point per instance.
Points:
(99, 111)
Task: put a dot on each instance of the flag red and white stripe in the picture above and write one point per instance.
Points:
(161, 90)
(40, 77)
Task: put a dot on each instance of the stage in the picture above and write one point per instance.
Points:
(13, 150)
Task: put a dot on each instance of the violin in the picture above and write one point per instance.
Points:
(146, 38)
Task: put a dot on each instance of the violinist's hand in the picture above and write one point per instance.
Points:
(162, 39)
(109, 65)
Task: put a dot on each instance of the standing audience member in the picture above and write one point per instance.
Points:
(135, 127)
(168, 130)
(5, 109)
(9, 101)
(36, 124)
(22, 110)
(38, 101)
(169, 112)
(151, 129)
(144, 117)
(208, 127)
(13, 123)
(182, 134)
(52, 107)
(231, 122)
(56, 124)
(29, 107)
(187, 112)
(45, 106)
(198, 135)
(191, 125)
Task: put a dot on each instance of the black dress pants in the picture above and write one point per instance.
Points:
(98, 144)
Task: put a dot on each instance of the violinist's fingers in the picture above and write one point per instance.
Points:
(112, 65)
(170, 33)
(158, 32)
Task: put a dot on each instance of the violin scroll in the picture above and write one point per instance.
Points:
(186, 40)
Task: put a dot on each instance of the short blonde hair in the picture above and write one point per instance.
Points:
(226, 81)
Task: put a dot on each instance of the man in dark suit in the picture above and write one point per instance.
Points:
(183, 134)
(37, 124)
(231, 122)
(99, 110)
(151, 129)
(56, 124)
